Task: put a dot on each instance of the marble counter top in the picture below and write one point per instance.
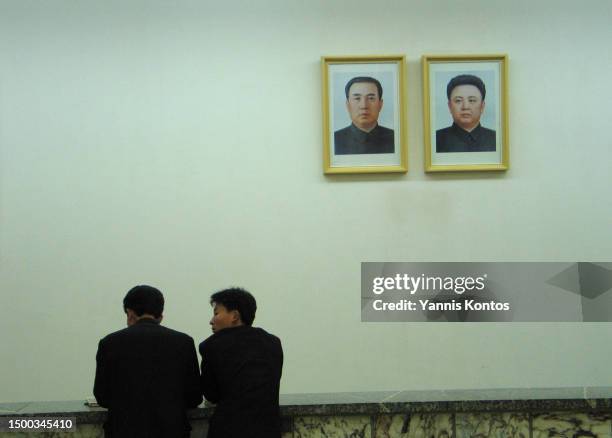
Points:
(475, 400)
(585, 399)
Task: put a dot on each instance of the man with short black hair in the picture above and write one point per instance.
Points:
(146, 374)
(466, 103)
(364, 135)
(241, 370)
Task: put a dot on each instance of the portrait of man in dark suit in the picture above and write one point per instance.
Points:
(364, 101)
(146, 374)
(466, 102)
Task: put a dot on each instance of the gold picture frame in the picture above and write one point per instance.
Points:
(366, 134)
(465, 130)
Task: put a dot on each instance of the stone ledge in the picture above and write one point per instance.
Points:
(372, 403)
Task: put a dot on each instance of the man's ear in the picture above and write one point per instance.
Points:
(236, 316)
(131, 316)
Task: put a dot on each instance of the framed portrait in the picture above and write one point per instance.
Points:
(364, 123)
(465, 112)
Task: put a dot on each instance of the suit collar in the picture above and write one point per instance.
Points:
(147, 321)
(363, 136)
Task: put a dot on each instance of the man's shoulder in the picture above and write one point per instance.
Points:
(258, 332)
(488, 139)
(114, 335)
(385, 140)
(444, 137)
(231, 335)
(342, 135)
(215, 340)
(343, 141)
(384, 130)
(444, 131)
(263, 332)
(174, 333)
(487, 132)
(344, 131)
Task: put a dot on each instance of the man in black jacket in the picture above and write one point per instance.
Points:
(146, 375)
(241, 370)
(466, 103)
(364, 135)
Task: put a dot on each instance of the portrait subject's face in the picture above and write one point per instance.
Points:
(466, 106)
(364, 105)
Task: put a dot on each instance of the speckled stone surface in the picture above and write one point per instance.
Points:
(354, 426)
(499, 413)
(429, 425)
(390, 426)
(495, 425)
(564, 424)
(414, 426)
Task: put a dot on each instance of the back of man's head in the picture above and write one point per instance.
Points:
(236, 298)
(466, 80)
(366, 79)
(144, 299)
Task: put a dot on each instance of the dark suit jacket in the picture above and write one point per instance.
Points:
(456, 139)
(241, 371)
(352, 140)
(147, 376)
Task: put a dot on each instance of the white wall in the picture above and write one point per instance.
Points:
(179, 144)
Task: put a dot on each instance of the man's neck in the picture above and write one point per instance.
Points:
(366, 129)
(471, 128)
(146, 316)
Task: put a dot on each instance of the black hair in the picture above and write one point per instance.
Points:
(236, 298)
(144, 299)
(363, 79)
(466, 80)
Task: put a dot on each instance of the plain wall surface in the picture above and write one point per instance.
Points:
(179, 144)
